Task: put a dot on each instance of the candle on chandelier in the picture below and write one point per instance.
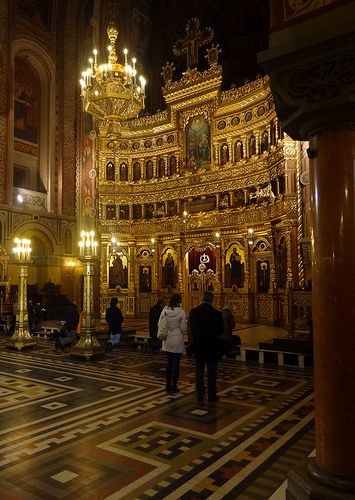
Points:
(95, 56)
(125, 51)
(143, 82)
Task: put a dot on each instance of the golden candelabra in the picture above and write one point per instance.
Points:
(88, 345)
(22, 336)
(111, 90)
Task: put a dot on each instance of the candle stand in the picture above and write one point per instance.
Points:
(88, 345)
(22, 336)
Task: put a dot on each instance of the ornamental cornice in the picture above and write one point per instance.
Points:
(189, 187)
(247, 88)
(191, 80)
(145, 122)
(243, 105)
(243, 128)
(210, 98)
(229, 221)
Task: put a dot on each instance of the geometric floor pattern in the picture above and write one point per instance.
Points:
(106, 429)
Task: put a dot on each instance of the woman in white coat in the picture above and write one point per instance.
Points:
(174, 344)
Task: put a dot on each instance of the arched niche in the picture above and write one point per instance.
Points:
(33, 155)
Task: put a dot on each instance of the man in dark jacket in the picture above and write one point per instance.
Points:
(154, 315)
(114, 319)
(206, 326)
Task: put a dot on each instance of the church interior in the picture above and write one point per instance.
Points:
(150, 149)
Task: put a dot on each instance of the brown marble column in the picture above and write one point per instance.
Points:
(311, 65)
(333, 219)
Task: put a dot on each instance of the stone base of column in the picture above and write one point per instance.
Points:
(302, 486)
(21, 338)
(87, 347)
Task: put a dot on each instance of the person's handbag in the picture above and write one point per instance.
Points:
(163, 328)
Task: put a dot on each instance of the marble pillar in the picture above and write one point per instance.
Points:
(312, 77)
(332, 177)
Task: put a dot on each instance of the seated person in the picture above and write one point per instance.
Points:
(64, 339)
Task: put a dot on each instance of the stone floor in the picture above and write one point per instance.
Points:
(106, 429)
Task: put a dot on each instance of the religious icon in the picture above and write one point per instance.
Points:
(148, 210)
(252, 145)
(240, 198)
(172, 165)
(236, 265)
(171, 207)
(238, 151)
(224, 201)
(149, 169)
(234, 270)
(161, 167)
(264, 143)
(198, 140)
(137, 212)
(123, 172)
(263, 276)
(136, 171)
(224, 152)
(110, 212)
(26, 102)
(145, 279)
(110, 171)
(169, 275)
(160, 211)
(124, 212)
(118, 271)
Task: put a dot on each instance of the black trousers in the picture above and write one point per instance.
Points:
(172, 369)
(201, 364)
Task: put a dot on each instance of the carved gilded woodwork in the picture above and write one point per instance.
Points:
(208, 193)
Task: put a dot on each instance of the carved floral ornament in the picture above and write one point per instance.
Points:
(205, 111)
(297, 8)
(324, 79)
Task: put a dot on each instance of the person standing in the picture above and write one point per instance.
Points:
(114, 319)
(174, 344)
(206, 326)
(228, 340)
(154, 315)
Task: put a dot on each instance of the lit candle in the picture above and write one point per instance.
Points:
(125, 51)
(143, 82)
(91, 61)
(95, 56)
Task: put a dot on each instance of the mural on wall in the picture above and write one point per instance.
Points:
(145, 278)
(27, 102)
(118, 271)
(234, 267)
(197, 256)
(198, 140)
(169, 269)
(88, 172)
(37, 12)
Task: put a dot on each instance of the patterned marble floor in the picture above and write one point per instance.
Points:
(106, 429)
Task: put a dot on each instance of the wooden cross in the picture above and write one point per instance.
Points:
(194, 39)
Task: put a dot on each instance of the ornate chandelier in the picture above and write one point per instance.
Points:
(110, 91)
